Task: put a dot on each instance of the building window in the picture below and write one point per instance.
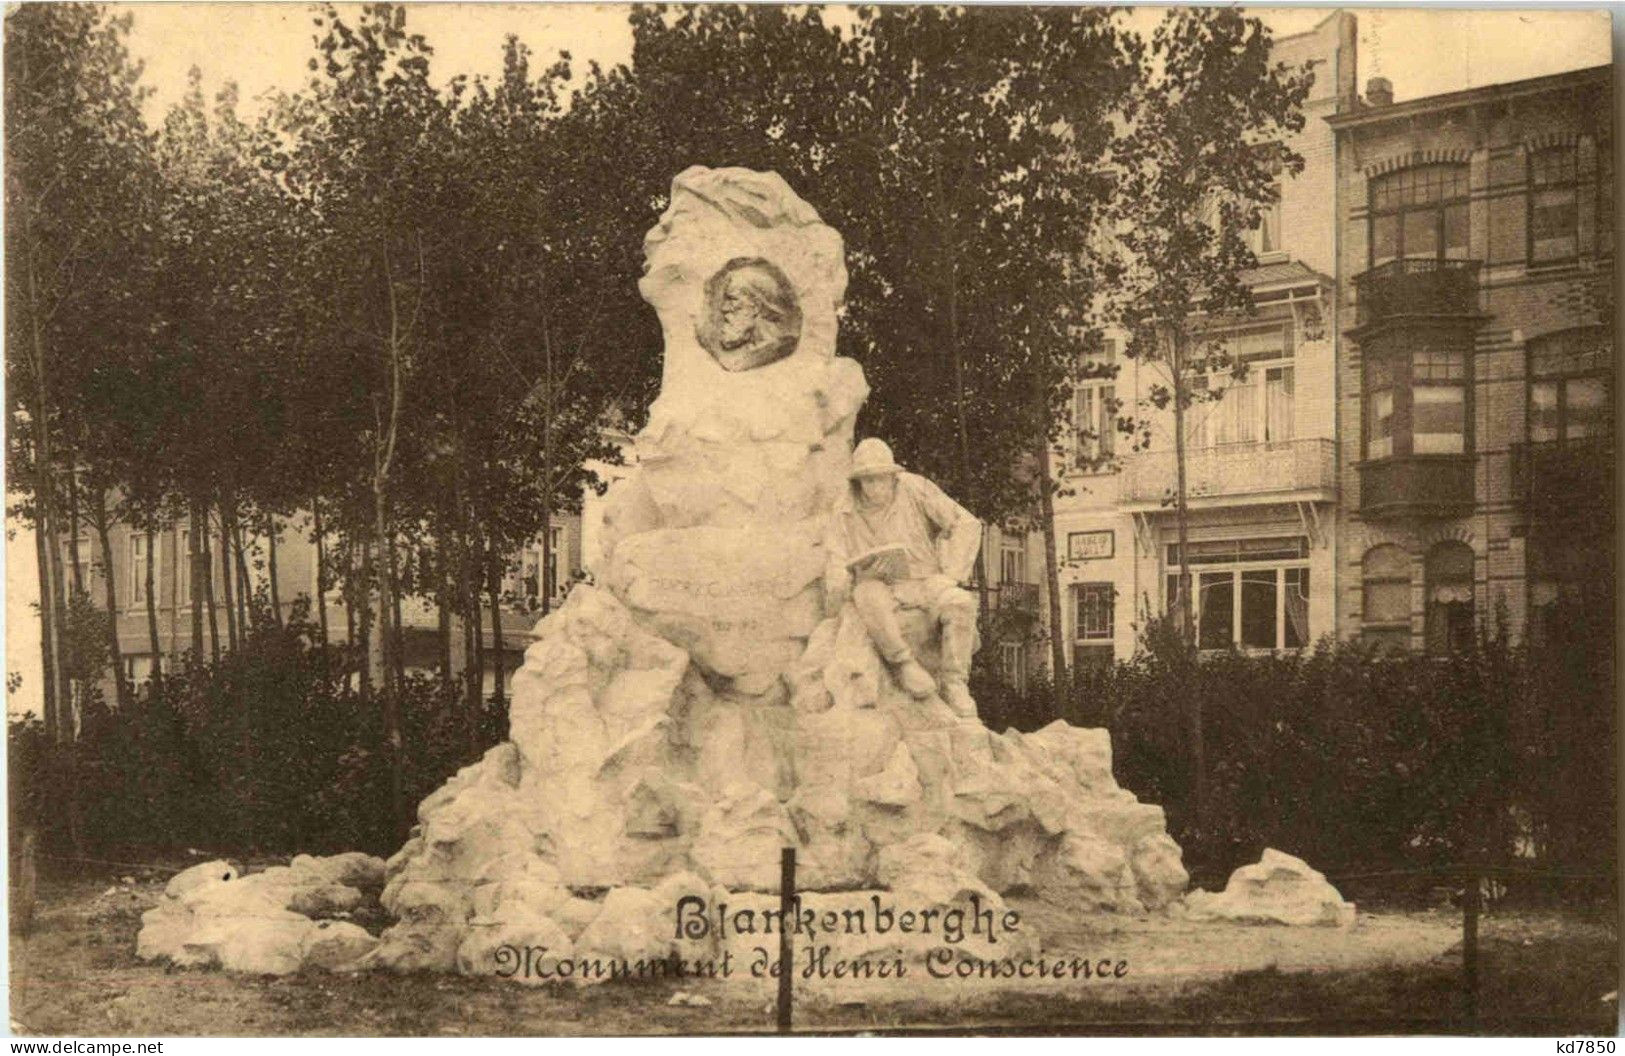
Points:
(1094, 412)
(1379, 408)
(1256, 407)
(1439, 401)
(1385, 613)
(1012, 560)
(91, 566)
(183, 567)
(1096, 611)
(1260, 600)
(1449, 585)
(555, 561)
(1420, 212)
(1013, 665)
(1416, 404)
(1554, 211)
(1569, 375)
(1266, 237)
(530, 575)
(136, 591)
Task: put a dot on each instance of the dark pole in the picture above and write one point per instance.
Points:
(1469, 946)
(787, 891)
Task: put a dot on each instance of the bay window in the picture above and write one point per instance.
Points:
(1248, 593)
(1416, 403)
(1379, 405)
(1420, 212)
(1439, 401)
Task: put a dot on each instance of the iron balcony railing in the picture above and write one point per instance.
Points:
(1234, 471)
(1559, 479)
(1416, 286)
(1015, 597)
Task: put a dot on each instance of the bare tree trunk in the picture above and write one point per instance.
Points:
(174, 591)
(477, 667)
(227, 571)
(471, 642)
(74, 558)
(208, 586)
(48, 622)
(443, 589)
(1187, 623)
(494, 586)
(45, 484)
(198, 554)
(363, 596)
(348, 594)
(397, 625)
(152, 611)
(391, 701)
(1061, 682)
(321, 568)
(248, 615)
(270, 568)
(98, 514)
(544, 575)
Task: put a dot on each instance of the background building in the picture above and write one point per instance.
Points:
(1476, 265)
(1261, 460)
(524, 584)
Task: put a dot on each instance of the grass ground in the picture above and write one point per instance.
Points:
(1544, 972)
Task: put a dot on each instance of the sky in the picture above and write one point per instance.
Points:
(264, 47)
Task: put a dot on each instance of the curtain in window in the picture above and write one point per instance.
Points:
(1438, 420)
(1278, 404)
(1297, 608)
(1449, 586)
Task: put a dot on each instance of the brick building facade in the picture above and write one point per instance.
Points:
(1476, 378)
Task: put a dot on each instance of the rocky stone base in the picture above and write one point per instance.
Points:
(278, 921)
(1279, 889)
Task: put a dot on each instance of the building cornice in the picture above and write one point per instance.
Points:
(1369, 116)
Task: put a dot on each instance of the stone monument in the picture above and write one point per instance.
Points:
(718, 694)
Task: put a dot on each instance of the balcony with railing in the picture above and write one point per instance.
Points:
(1015, 597)
(1234, 474)
(1560, 481)
(1417, 486)
(1416, 287)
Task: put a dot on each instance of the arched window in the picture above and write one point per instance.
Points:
(1420, 212)
(1449, 603)
(1386, 614)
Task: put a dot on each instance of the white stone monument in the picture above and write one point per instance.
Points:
(676, 725)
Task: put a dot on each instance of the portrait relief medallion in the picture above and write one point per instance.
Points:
(751, 316)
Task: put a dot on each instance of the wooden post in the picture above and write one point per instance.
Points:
(787, 891)
(1469, 946)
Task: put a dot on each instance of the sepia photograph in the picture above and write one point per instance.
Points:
(605, 520)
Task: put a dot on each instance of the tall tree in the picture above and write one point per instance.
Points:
(368, 158)
(1203, 143)
(76, 148)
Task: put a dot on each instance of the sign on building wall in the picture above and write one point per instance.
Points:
(1090, 546)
